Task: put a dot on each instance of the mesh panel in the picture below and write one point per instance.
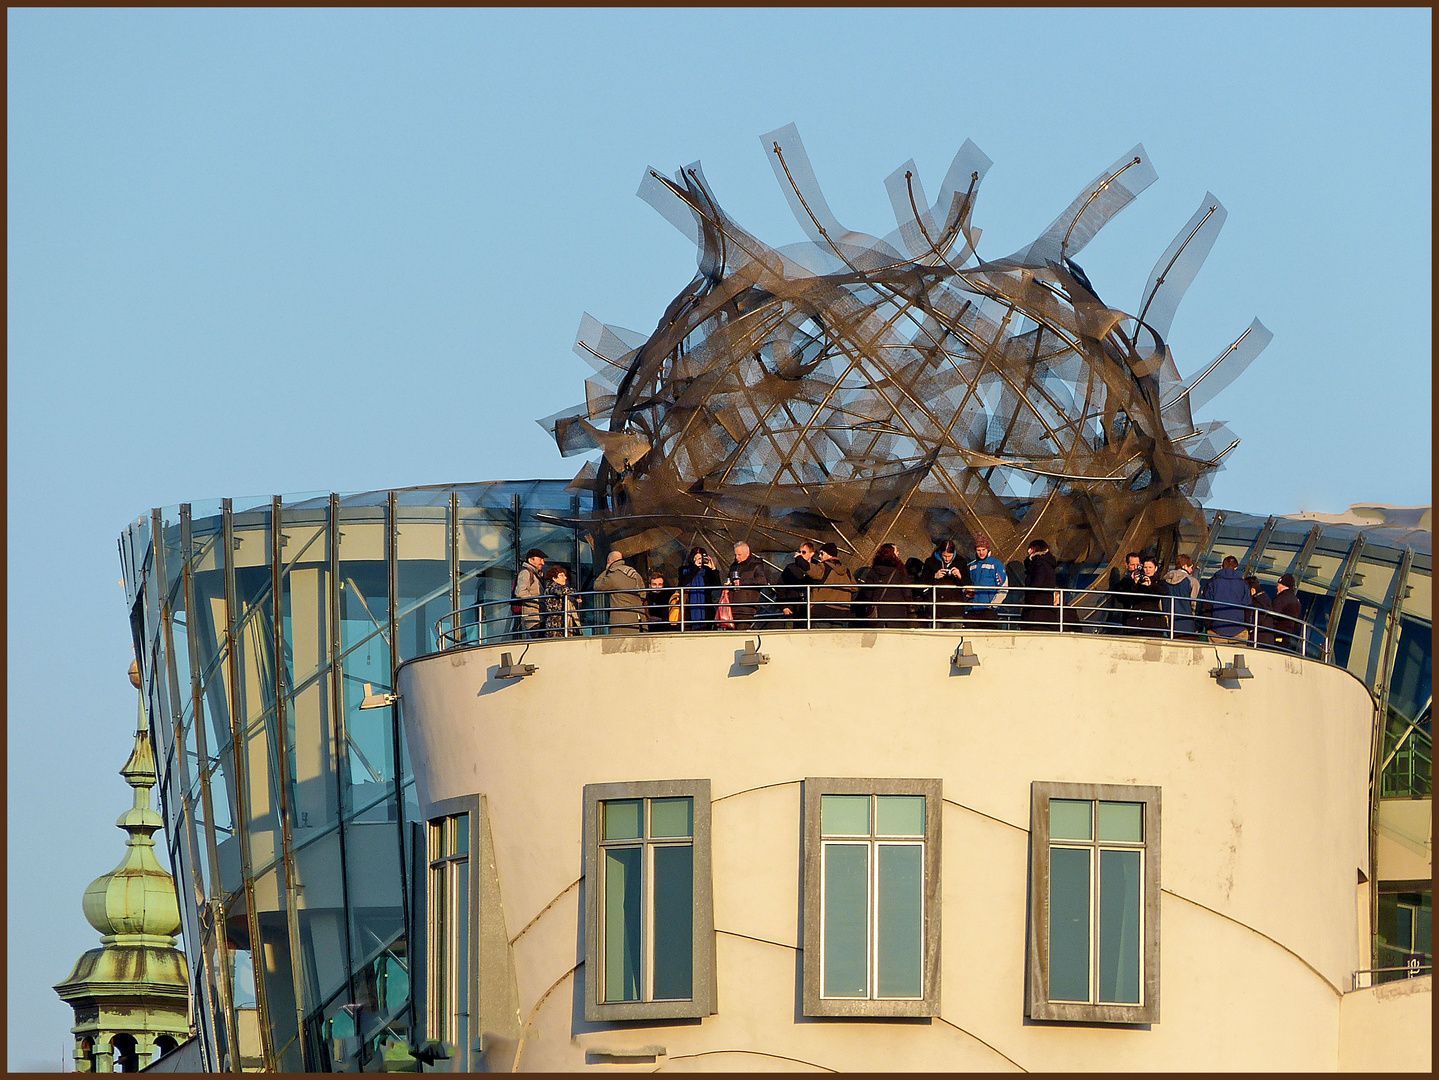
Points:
(863, 390)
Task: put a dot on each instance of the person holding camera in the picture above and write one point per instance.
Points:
(794, 592)
(947, 575)
(836, 588)
(699, 582)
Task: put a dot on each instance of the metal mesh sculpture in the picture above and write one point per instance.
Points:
(865, 390)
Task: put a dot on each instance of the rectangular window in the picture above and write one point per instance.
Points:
(1094, 931)
(449, 933)
(871, 897)
(649, 912)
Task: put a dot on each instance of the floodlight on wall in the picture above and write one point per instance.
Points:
(964, 656)
(511, 670)
(1231, 672)
(752, 657)
(372, 700)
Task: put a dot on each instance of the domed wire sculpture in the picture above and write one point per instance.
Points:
(865, 390)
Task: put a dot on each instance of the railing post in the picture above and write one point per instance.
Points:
(933, 608)
(1061, 611)
(1171, 618)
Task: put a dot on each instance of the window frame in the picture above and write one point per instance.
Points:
(703, 987)
(1038, 1004)
(812, 889)
(436, 1026)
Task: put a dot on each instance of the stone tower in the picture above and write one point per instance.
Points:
(131, 996)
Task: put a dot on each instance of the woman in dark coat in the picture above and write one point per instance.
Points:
(1262, 602)
(559, 604)
(1147, 614)
(886, 590)
(946, 576)
(699, 584)
(1041, 610)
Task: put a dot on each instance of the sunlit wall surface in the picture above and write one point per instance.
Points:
(300, 859)
(290, 814)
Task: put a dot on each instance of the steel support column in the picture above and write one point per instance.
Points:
(241, 766)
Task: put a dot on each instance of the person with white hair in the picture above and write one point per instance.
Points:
(626, 595)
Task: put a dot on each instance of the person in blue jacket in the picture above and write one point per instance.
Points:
(1229, 600)
(987, 575)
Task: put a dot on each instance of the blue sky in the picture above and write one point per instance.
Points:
(270, 252)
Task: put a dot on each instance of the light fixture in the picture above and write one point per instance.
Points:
(752, 657)
(372, 700)
(511, 670)
(1232, 672)
(964, 656)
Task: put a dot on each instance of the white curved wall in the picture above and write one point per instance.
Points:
(1264, 829)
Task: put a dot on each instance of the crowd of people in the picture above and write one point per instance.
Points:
(817, 588)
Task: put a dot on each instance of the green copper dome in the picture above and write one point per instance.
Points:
(134, 904)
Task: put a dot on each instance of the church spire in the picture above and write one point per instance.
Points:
(131, 996)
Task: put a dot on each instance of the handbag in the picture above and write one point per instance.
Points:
(674, 607)
(724, 614)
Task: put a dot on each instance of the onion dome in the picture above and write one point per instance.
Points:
(134, 904)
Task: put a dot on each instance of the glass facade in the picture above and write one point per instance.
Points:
(292, 823)
(291, 820)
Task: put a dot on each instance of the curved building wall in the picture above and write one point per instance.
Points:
(296, 859)
(289, 810)
(1264, 829)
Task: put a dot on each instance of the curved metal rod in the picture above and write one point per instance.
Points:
(1064, 246)
(1160, 281)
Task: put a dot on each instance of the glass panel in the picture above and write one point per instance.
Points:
(461, 879)
(899, 815)
(674, 921)
(900, 917)
(1068, 923)
(439, 945)
(1119, 942)
(672, 817)
(1070, 819)
(844, 815)
(1123, 821)
(462, 833)
(437, 840)
(846, 920)
(623, 819)
(622, 924)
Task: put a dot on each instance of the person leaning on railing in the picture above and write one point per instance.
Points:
(626, 588)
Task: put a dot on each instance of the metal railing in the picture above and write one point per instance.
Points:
(910, 607)
(1411, 970)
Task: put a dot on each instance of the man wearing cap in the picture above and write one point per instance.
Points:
(989, 580)
(528, 586)
(1288, 632)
